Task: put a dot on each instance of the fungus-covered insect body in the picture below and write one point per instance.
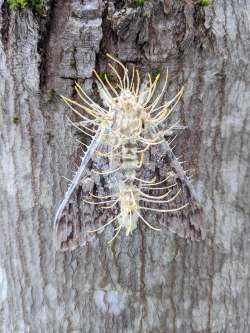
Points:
(123, 132)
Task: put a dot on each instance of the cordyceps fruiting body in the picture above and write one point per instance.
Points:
(123, 130)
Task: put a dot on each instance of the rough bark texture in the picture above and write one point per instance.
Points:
(151, 282)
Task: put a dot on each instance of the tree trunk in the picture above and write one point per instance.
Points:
(149, 282)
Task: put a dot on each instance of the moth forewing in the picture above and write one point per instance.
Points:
(187, 223)
(67, 222)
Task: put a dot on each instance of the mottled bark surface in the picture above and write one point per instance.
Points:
(151, 282)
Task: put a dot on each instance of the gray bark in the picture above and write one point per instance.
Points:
(150, 282)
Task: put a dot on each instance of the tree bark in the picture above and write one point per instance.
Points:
(150, 282)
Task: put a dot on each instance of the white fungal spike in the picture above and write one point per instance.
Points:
(127, 126)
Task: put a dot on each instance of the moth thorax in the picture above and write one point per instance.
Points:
(128, 119)
(130, 126)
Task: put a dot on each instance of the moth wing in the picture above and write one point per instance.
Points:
(186, 222)
(70, 229)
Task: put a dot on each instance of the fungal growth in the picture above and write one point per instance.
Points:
(123, 132)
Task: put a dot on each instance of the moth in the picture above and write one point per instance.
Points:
(124, 131)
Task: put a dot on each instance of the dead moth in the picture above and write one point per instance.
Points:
(123, 131)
